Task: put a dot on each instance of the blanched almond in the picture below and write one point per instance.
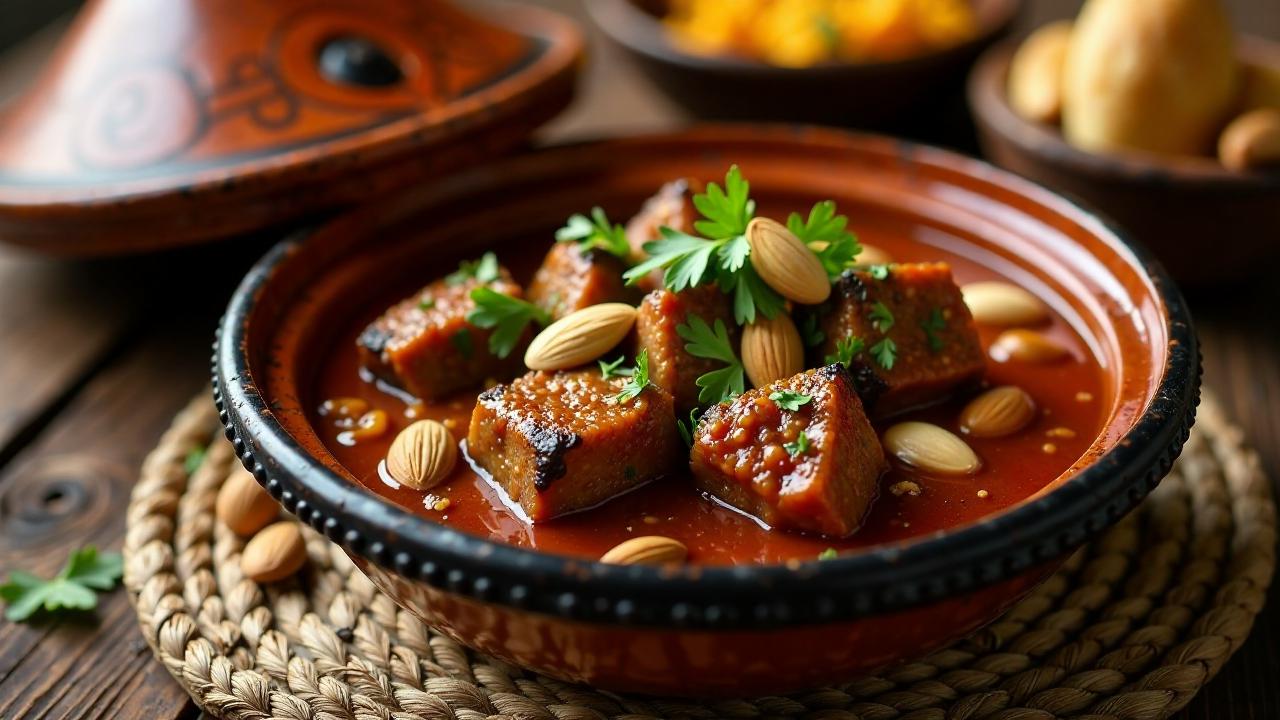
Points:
(998, 412)
(771, 350)
(647, 550)
(1026, 346)
(786, 264)
(931, 448)
(1251, 141)
(243, 506)
(872, 255)
(580, 337)
(422, 455)
(275, 553)
(1036, 73)
(999, 303)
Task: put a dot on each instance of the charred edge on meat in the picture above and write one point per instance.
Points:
(550, 445)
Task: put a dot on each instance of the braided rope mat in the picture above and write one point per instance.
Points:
(1131, 627)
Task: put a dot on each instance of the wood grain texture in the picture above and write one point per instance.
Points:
(94, 360)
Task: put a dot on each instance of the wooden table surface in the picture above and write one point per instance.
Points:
(96, 357)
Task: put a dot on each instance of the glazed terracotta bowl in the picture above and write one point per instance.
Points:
(874, 95)
(1206, 223)
(708, 630)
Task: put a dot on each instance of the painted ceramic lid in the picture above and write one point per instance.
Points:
(165, 122)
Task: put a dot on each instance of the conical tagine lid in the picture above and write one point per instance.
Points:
(165, 122)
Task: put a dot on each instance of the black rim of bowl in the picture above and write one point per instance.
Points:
(879, 579)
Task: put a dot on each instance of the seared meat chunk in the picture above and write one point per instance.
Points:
(670, 366)
(558, 442)
(425, 346)
(571, 279)
(814, 468)
(672, 206)
(932, 345)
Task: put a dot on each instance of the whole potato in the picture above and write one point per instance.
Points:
(1153, 75)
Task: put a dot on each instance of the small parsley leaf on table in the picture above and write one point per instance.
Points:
(506, 315)
(827, 235)
(885, 352)
(788, 400)
(847, 349)
(595, 232)
(614, 369)
(638, 382)
(73, 588)
(484, 270)
(799, 446)
(704, 342)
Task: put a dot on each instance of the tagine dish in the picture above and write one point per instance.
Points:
(712, 383)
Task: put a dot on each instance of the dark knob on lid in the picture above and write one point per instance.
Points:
(353, 60)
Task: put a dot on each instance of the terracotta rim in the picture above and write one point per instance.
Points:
(990, 105)
(877, 579)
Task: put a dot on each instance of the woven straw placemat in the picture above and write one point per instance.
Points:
(1131, 627)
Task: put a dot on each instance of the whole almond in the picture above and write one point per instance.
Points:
(931, 448)
(785, 263)
(771, 350)
(1251, 141)
(872, 255)
(1036, 73)
(580, 337)
(998, 412)
(422, 455)
(1026, 346)
(999, 303)
(647, 550)
(243, 506)
(275, 553)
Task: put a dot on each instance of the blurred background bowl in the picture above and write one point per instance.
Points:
(1207, 224)
(920, 97)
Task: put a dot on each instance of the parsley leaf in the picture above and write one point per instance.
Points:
(638, 382)
(701, 341)
(71, 589)
(595, 232)
(933, 325)
(726, 211)
(684, 257)
(881, 317)
(885, 352)
(825, 233)
(788, 400)
(690, 428)
(194, 459)
(879, 272)
(484, 270)
(751, 295)
(846, 350)
(799, 446)
(614, 369)
(828, 554)
(810, 332)
(508, 317)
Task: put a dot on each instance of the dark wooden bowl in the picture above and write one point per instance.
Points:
(1206, 223)
(711, 630)
(899, 95)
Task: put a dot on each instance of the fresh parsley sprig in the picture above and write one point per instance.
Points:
(885, 352)
(704, 342)
(638, 382)
(73, 588)
(881, 317)
(933, 326)
(595, 232)
(827, 234)
(788, 400)
(689, 428)
(799, 446)
(484, 270)
(506, 315)
(614, 369)
(847, 348)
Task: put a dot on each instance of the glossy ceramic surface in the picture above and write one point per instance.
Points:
(1175, 206)
(713, 630)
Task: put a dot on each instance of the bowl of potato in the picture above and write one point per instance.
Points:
(1159, 115)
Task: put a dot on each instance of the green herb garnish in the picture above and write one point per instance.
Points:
(847, 349)
(595, 232)
(799, 446)
(614, 369)
(463, 343)
(932, 326)
(885, 352)
(426, 303)
(194, 459)
(484, 270)
(881, 317)
(879, 272)
(827, 235)
(687, 429)
(704, 342)
(73, 588)
(507, 316)
(828, 554)
(638, 382)
(788, 400)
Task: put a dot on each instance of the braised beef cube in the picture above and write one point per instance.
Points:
(425, 346)
(917, 340)
(813, 468)
(671, 367)
(571, 279)
(672, 206)
(560, 442)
